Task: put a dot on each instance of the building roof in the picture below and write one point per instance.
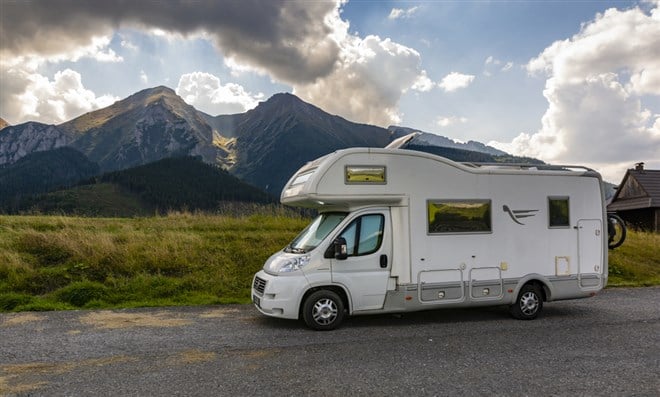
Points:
(639, 189)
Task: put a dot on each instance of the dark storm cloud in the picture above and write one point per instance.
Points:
(289, 39)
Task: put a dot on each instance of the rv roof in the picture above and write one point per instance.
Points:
(528, 166)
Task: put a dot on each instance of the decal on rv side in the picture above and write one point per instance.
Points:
(516, 215)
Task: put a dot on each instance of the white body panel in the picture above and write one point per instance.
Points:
(426, 269)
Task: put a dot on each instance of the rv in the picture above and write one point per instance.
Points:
(401, 231)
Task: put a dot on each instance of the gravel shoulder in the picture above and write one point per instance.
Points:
(606, 345)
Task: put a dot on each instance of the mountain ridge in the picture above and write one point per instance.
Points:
(263, 146)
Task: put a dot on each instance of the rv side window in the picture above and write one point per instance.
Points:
(558, 212)
(459, 216)
(364, 235)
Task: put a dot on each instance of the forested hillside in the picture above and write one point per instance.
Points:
(41, 172)
(185, 183)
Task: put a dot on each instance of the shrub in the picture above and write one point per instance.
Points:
(9, 301)
(81, 292)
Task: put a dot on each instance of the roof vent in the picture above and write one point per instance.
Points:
(639, 167)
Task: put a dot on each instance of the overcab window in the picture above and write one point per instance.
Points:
(459, 216)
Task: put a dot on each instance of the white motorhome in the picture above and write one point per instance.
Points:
(401, 230)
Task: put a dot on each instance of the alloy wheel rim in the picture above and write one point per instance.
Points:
(529, 303)
(324, 311)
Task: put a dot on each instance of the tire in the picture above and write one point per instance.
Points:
(323, 310)
(616, 231)
(528, 304)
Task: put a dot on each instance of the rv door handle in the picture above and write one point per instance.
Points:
(383, 261)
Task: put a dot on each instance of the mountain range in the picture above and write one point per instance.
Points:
(263, 146)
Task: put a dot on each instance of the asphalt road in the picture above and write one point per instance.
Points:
(602, 346)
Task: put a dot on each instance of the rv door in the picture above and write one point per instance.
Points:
(366, 269)
(590, 254)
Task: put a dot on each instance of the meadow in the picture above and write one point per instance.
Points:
(60, 263)
(54, 263)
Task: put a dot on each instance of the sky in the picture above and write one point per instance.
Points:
(568, 82)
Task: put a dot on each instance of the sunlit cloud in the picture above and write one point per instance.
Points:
(205, 92)
(597, 113)
(455, 81)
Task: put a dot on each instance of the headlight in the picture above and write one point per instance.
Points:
(293, 264)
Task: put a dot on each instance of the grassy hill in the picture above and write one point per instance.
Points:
(53, 263)
(637, 261)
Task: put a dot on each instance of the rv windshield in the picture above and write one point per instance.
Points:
(316, 232)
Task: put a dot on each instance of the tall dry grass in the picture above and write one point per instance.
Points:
(637, 261)
(67, 262)
(56, 262)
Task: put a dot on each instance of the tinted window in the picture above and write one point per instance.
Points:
(364, 235)
(459, 216)
(558, 210)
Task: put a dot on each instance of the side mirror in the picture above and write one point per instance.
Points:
(341, 248)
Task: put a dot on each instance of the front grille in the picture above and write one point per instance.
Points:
(259, 285)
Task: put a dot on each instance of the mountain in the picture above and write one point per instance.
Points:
(429, 139)
(263, 146)
(20, 140)
(3, 123)
(41, 172)
(276, 138)
(145, 127)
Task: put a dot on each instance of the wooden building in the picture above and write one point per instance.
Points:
(637, 200)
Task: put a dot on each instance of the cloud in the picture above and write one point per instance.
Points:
(26, 94)
(53, 101)
(292, 40)
(423, 83)
(455, 81)
(143, 77)
(304, 44)
(371, 75)
(398, 13)
(446, 121)
(491, 65)
(205, 92)
(597, 82)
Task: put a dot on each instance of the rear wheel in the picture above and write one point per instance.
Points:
(323, 310)
(528, 304)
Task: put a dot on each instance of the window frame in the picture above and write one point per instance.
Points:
(430, 202)
(358, 230)
(354, 167)
(568, 214)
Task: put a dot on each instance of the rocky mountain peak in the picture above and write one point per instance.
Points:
(3, 123)
(20, 140)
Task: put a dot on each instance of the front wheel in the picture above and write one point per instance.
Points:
(323, 310)
(528, 304)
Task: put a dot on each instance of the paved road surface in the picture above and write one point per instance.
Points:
(607, 345)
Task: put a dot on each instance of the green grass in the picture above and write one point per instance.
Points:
(59, 263)
(54, 263)
(637, 262)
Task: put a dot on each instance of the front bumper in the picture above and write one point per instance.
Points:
(278, 296)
